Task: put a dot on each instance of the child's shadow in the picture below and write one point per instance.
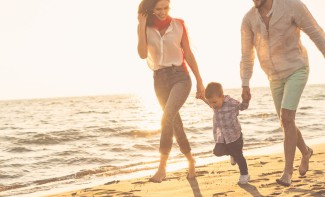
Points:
(251, 189)
(195, 187)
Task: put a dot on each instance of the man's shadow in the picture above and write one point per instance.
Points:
(195, 187)
(251, 189)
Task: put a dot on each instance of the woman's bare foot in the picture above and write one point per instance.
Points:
(159, 176)
(285, 179)
(161, 172)
(191, 169)
(304, 165)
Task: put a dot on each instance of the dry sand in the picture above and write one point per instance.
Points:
(220, 179)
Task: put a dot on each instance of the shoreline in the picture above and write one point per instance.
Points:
(220, 179)
(172, 169)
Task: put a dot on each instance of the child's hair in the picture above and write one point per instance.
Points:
(213, 89)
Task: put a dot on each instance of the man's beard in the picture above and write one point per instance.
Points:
(259, 3)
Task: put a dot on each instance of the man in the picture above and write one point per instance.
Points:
(273, 27)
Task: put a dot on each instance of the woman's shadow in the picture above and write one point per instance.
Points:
(195, 187)
(251, 189)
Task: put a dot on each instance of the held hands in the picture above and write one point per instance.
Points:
(246, 94)
(200, 91)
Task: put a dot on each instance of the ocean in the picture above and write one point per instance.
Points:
(47, 144)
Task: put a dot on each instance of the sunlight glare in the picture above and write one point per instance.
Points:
(151, 109)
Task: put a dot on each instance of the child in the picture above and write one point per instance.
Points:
(226, 127)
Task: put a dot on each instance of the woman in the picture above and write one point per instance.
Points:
(163, 41)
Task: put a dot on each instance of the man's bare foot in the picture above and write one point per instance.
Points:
(285, 179)
(191, 169)
(304, 165)
(159, 176)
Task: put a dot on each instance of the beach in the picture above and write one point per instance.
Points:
(56, 145)
(220, 179)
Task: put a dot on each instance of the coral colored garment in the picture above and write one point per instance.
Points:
(159, 24)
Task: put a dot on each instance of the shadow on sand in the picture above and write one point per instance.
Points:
(251, 189)
(195, 187)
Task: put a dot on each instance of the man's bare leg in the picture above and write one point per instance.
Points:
(306, 153)
(301, 143)
(191, 166)
(290, 143)
(161, 172)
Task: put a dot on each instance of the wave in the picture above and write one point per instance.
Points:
(262, 115)
(18, 150)
(107, 170)
(54, 137)
(144, 147)
(304, 108)
(139, 133)
(92, 112)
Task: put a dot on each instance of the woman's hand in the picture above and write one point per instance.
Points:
(200, 91)
(142, 18)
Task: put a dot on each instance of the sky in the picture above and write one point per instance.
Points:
(63, 48)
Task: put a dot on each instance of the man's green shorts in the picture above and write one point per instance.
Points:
(287, 92)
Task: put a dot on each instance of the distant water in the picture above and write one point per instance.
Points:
(47, 142)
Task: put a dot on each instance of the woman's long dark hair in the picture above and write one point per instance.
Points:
(146, 7)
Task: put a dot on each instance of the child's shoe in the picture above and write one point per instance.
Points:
(232, 160)
(243, 179)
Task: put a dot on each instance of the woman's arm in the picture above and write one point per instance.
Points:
(142, 40)
(191, 61)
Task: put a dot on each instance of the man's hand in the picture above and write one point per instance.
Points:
(246, 94)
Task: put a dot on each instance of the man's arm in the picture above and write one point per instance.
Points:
(247, 49)
(306, 22)
(247, 59)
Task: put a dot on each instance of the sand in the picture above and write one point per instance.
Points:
(220, 179)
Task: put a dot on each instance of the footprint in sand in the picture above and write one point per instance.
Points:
(258, 180)
(135, 190)
(268, 185)
(252, 159)
(217, 172)
(202, 173)
(302, 184)
(222, 193)
(320, 193)
(270, 173)
(276, 193)
(259, 164)
(172, 178)
(112, 182)
(273, 158)
(178, 174)
(295, 181)
(318, 172)
(318, 186)
(140, 182)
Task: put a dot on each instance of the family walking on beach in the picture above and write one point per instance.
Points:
(271, 28)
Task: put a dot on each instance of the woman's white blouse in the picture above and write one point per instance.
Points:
(166, 50)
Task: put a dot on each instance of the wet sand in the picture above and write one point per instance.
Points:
(220, 179)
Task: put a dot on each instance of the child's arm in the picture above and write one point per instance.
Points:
(205, 100)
